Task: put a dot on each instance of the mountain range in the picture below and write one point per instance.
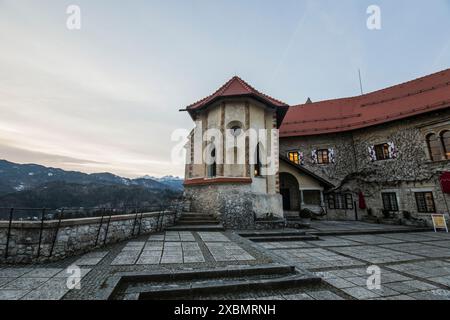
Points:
(32, 185)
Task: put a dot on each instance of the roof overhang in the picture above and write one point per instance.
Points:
(302, 169)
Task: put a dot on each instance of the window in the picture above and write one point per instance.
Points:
(445, 137)
(236, 131)
(311, 197)
(434, 147)
(322, 156)
(212, 167)
(382, 151)
(294, 157)
(425, 202)
(258, 162)
(340, 201)
(389, 201)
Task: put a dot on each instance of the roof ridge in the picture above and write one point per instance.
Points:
(250, 90)
(257, 91)
(221, 88)
(380, 90)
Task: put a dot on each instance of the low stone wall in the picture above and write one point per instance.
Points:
(236, 206)
(73, 236)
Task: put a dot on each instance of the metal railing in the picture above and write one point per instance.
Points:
(44, 214)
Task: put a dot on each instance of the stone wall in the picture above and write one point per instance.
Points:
(235, 205)
(73, 236)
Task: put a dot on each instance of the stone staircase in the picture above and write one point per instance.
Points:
(198, 284)
(194, 221)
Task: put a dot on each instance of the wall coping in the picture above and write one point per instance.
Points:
(77, 221)
(218, 180)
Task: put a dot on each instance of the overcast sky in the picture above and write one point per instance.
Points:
(106, 97)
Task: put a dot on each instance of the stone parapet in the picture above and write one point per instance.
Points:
(36, 241)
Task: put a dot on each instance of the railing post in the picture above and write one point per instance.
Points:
(41, 232)
(56, 232)
(140, 222)
(107, 228)
(100, 227)
(163, 211)
(135, 220)
(9, 232)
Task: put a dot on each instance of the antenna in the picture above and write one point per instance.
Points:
(360, 82)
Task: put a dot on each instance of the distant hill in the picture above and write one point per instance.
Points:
(31, 185)
(62, 194)
(175, 183)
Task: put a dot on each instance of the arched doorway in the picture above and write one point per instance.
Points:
(290, 191)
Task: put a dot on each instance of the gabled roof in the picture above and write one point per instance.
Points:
(301, 168)
(236, 87)
(411, 98)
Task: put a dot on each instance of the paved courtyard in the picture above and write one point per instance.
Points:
(413, 265)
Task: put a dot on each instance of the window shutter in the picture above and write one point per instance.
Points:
(331, 155)
(301, 158)
(393, 152)
(372, 154)
(314, 156)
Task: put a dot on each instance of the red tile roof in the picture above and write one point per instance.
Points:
(236, 87)
(411, 98)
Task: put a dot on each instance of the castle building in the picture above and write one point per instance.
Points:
(383, 156)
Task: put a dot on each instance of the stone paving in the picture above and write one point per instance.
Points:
(180, 247)
(35, 283)
(413, 265)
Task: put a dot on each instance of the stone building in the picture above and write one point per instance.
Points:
(384, 155)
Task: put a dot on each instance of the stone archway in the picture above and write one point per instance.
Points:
(290, 191)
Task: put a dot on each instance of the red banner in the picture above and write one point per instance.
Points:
(445, 182)
(362, 201)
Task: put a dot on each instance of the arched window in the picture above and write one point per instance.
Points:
(434, 147)
(212, 167)
(445, 137)
(258, 164)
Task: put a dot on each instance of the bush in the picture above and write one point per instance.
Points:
(305, 213)
(407, 215)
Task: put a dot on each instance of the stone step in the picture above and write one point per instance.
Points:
(198, 218)
(207, 227)
(254, 234)
(196, 214)
(204, 274)
(196, 222)
(306, 237)
(227, 286)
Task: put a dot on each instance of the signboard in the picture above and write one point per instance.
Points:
(439, 222)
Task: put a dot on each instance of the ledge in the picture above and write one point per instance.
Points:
(76, 222)
(221, 180)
